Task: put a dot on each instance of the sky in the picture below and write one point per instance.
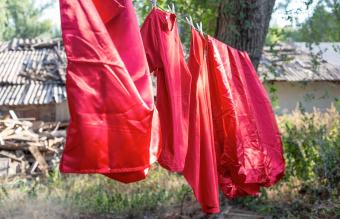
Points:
(297, 9)
(279, 17)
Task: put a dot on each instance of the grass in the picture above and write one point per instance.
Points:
(161, 195)
(293, 199)
(80, 195)
(310, 188)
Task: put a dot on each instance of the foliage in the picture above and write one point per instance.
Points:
(204, 11)
(311, 185)
(312, 146)
(322, 26)
(278, 34)
(239, 13)
(293, 199)
(2, 16)
(93, 194)
(309, 189)
(22, 19)
(200, 10)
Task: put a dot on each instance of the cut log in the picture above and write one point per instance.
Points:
(13, 115)
(26, 145)
(39, 158)
(4, 166)
(14, 168)
(34, 167)
(10, 155)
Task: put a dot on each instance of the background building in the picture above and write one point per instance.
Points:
(32, 79)
(303, 76)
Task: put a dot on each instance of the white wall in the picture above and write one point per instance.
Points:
(310, 94)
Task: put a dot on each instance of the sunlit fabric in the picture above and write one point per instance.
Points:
(200, 165)
(114, 127)
(166, 58)
(248, 143)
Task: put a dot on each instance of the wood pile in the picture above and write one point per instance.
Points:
(27, 147)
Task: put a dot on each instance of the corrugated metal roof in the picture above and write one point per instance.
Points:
(32, 71)
(330, 52)
(288, 62)
(32, 94)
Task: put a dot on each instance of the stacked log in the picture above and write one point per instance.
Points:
(29, 147)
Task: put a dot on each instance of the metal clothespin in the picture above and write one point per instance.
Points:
(172, 8)
(154, 3)
(199, 27)
(189, 20)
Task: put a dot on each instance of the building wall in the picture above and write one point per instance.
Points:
(310, 95)
(62, 112)
(39, 112)
(48, 113)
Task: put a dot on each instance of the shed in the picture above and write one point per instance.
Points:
(32, 79)
(302, 75)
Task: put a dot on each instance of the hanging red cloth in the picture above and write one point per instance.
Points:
(247, 140)
(114, 127)
(200, 165)
(166, 58)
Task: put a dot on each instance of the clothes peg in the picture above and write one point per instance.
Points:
(189, 20)
(172, 8)
(199, 27)
(153, 3)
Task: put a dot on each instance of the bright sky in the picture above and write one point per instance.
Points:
(279, 17)
(296, 9)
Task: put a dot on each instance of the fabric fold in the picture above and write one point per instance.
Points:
(114, 127)
(200, 165)
(248, 143)
(166, 59)
(214, 122)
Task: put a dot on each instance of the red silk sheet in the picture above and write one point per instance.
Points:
(166, 58)
(114, 127)
(247, 140)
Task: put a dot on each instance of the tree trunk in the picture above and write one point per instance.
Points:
(243, 24)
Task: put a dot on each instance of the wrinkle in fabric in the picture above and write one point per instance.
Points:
(166, 59)
(200, 165)
(248, 144)
(114, 127)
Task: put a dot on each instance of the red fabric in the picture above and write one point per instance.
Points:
(248, 144)
(166, 58)
(114, 127)
(200, 165)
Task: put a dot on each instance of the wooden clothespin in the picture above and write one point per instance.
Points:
(199, 27)
(189, 20)
(172, 8)
(153, 3)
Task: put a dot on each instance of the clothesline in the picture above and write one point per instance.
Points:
(184, 20)
(213, 124)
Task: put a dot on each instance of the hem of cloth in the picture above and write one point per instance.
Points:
(254, 175)
(165, 163)
(207, 210)
(103, 170)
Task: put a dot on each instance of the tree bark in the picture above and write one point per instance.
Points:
(243, 24)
